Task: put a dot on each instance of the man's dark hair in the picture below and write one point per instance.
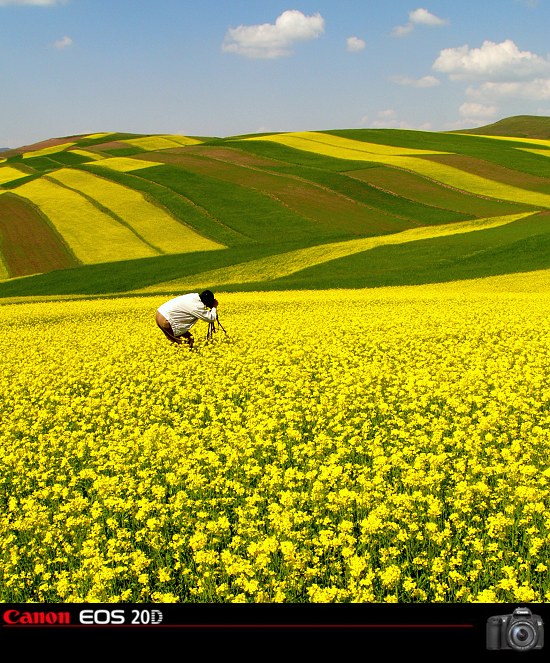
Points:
(207, 298)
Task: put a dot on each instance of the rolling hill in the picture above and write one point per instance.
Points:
(112, 213)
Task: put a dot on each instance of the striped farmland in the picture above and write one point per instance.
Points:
(343, 148)
(91, 234)
(153, 224)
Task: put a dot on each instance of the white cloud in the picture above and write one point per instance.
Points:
(424, 82)
(62, 43)
(354, 44)
(424, 17)
(402, 30)
(37, 3)
(473, 110)
(502, 62)
(536, 90)
(419, 16)
(270, 40)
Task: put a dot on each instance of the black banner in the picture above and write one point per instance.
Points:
(416, 629)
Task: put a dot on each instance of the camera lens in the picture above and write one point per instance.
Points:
(522, 635)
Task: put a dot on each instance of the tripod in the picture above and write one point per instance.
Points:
(212, 328)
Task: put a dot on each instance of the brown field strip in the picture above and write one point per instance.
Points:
(420, 189)
(28, 244)
(310, 201)
(110, 145)
(231, 155)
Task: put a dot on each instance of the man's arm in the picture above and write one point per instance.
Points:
(206, 315)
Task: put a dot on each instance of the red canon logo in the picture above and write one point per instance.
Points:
(14, 617)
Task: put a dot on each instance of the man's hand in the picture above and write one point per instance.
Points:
(215, 304)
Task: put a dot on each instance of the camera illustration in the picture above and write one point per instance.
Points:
(520, 631)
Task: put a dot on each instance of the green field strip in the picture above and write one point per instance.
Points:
(516, 247)
(92, 235)
(28, 243)
(149, 221)
(42, 164)
(419, 212)
(255, 216)
(128, 275)
(9, 174)
(14, 184)
(445, 174)
(69, 158)
(180, 207)
(285, 264)
(309, 199)
(411, 186)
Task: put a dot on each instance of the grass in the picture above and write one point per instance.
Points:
(272, 268)
(517, 247)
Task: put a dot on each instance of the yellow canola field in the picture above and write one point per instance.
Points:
(9, 173)
(153, 224)
(386, 445)
(344, 148)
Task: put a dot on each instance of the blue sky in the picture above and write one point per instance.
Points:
(224, 68)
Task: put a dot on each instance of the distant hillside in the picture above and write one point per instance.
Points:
(113, 213)
(520, 126)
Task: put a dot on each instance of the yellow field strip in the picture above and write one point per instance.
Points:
(9, 173)
(151, 222)
(544, 153)
(92, 235)
(163, 142)
(515, 139)
(343, 148)
(274, 267)
(100, 135)
(48, 150)
(125, 164)
(91, 155)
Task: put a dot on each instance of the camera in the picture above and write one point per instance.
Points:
(520, 631)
